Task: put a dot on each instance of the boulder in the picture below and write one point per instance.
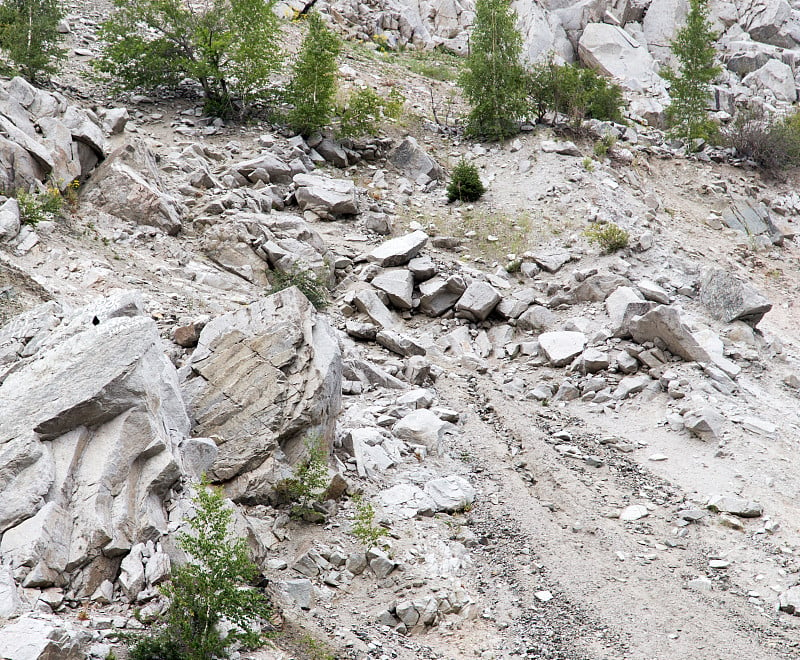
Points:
(705, 423)
(10, 602)
(597, 287)
(128, 185)
(752, 219)
(326, 197)
(406, 501)
(765, 19)
(97, 418)
(439, 294)
(562, 347)
(775, 77)
(40, 637)
(613, 52)
(260, 379)
(536, 319)
(278, 171)
(664, 323)
(9, 220)
(412, 160)
(477, 301)
(368, 302)
(735, 505)
(730, 299)
(398, 251)
(398, 285)
(398, 343)
(423, 427)
(451, 493)
(661, 21)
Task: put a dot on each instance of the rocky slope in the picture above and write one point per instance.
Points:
(576, 455)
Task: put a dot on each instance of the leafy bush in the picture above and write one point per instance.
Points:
(36, 207)
(29, 37)
(465, 183)
(493, 80)
(304, 279)
(364, 110)
(364, 527)
(690, 85)
(313, 83)
(610, 237)
(771, 143)
(571, 90)
(310, 476)
(604, 145)
(229, 47)
(212, 587)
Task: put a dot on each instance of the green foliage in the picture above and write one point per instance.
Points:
(465, 183)
(493, 79)
(772, 143)
(29, 38)
(310, 476)
(365, 109)
(588, 164)
(604, 145)
(36, 207)
(610, 237)
(313, 85)
(228, 46)
(573, 91)
(364, 527)
(690, 85)
(315, 649)
(304, 279)
(211, 588)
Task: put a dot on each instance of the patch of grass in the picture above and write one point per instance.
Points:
(315, 649)
(588, 164)
(604, 145)
(492, 236)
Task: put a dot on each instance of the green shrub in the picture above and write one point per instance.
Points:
(364, 527)
(465, 183)
(772, 143)
(212, 587)
(604, 145)
(364, 111)
(304, 279)
(573, 91)
(36, 207)
(229, 47)
(313, 84)
(29, 37)
(493, 80)
(310, 477)
(610, 237)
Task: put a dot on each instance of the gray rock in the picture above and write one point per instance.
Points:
(664, 323)
(735, 505)
(752, 219)
(380, 564)
(439, 294)
(10, 602)
(158, 568)
(398, 251)
(332, 152)
(552, 262)
(364, 444)
(631, 385)
(705, 423)
(279, 172)
(593, 360)
(477, 302)
(406, 501)
(397, 343)
(597, 287)
(361, 331)
(131, 576)
(413, 161)
(407, 613)
(398, 285)
(114, 120)
(537, 319)
(565, 148)
(198, 455)
(562, 347)
(776, 77)
(789, 601)
(423, 427)
(633, 512)
(128, 185)
(39, 637)
(651, 291)
(326, 197)
(451, 493)
(299, 591)
(356, 563)
(259, 378)
(730, 299)
(368, 302)
(9, 220)
(422, 268)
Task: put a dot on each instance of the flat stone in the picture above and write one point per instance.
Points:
(735, 506)
(398, 251)
(397, 343)
(730, 299)
(562, 347)
(477, 302)
(398, 285)
(633, 512)
(451, 493)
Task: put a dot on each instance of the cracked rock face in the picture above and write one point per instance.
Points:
(260, 378)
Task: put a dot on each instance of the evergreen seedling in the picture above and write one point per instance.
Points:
(465, 183)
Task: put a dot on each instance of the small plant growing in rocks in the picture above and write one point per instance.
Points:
(610, 237)
(364, 110)
(304, 279)
(212, 587)
(604, 145)
(465, 183)
(364, 527)
(37, 207)
(309, 479)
